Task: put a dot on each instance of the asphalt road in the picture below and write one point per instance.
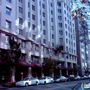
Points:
(54, 86)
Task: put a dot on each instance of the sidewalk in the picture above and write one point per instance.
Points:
(1, 87)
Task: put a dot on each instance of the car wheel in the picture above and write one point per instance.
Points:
(44, 82)
(37, 83)
(26, 84)
(51, 81)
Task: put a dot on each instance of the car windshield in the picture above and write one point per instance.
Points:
(25, 79)
(42, 78)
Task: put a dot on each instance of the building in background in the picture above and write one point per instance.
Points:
(38, 24)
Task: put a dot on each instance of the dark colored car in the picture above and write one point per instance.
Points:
(71, 78)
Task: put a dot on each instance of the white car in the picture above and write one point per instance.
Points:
(46, 79)
(61, 78)
(28, 81)
(77, 78)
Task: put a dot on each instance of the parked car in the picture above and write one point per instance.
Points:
(84, 77)
(71, 78)
(46, 79)
(61, 78)
(77, 77)
(28, 81)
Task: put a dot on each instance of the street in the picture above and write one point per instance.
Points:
(54, 86)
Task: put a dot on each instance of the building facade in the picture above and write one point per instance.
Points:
(39, 25)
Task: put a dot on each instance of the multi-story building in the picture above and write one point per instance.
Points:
(47, 21)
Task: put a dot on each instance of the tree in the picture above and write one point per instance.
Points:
(12, 56)
(49, 66)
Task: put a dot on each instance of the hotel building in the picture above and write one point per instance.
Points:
(47, 21)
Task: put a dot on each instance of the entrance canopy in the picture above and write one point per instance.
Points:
(24, 63)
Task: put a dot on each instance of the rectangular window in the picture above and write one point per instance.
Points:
(20, 9)
(20, 21)
(51, 19)
(28, 4)
(20, 32)
(51, 4)
(53, 44)
(61, 40)
(29, 14)
(8, 11)
(43, 14)
(33, 37)
(51, 12)
(33, 27)
(28, 24)
(59, 3)
(8, 24)
(44, 23)
(44, 41)
(44, 32)
(33, 16)
(8, 1)
(33, 7)
(60, 24)
(43, 6)
(52, 28)
(52, 36)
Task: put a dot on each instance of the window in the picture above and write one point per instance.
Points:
(33, 27)
(51, 4)
(44, 41)
(20, 1)
(66, 33)
(20, 32)
(43, 14)
(8, 1)
(28, 4)
(33, 0)
(33, 7)
(51, 12)
(8, 24)
(33, 16)
(8, 11)
(59, 10)
(61, 40)
(33, 37)
(60, 17)
(20, 9)
(60, 32)
(66, 40)
(44, 32)
(20, 21)
(52, 36)
(44, 23)
(43, 6)
(60, 24)
(53, 44)
(23, 44)
(59, 4)
(52, 28)
(28, 24)
(51, 19)
(29, 14)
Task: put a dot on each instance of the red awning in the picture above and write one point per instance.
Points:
(36, 64)
(61, 67)
(24, 63)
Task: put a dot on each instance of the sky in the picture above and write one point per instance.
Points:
(84, 6)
